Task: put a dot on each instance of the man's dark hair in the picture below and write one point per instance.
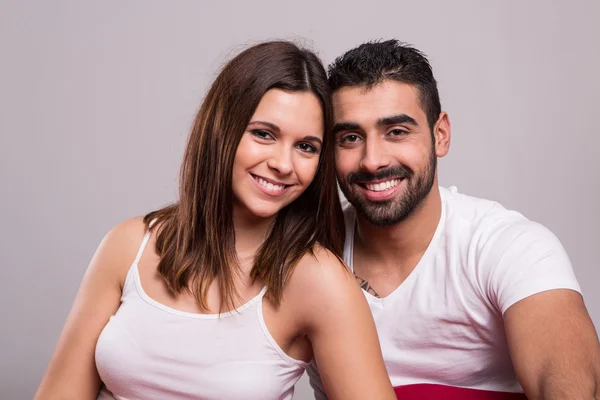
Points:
(373, 62)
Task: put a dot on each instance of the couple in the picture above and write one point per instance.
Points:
(233, 291)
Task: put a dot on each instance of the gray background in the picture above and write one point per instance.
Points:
(96, 99)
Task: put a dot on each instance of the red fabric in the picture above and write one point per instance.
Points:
(429, 391)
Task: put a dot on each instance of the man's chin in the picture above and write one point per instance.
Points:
(381, 213)
(379, 220)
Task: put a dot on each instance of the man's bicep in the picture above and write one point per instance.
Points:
(521, 260)
(553, 344)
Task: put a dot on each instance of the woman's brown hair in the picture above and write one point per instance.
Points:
(196, 240)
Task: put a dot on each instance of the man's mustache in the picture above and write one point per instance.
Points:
(397, 171)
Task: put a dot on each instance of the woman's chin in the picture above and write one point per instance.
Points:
(265, 213)
(261, 212)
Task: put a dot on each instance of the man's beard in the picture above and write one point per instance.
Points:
(395, 210)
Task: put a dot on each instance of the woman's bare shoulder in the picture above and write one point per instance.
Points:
(321, 265)
(119, 247)
(321, 278)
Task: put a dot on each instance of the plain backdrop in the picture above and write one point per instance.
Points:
(97, 98)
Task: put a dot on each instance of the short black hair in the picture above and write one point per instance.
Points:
(375, 61)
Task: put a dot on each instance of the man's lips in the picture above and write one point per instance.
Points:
(380, 184)
(380, 189)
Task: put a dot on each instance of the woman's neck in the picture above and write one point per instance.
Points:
(250, 234)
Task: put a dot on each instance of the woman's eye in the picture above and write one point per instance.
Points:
(261, 134)
(307, 148)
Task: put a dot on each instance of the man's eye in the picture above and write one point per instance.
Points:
(397, 132)
(351, 138)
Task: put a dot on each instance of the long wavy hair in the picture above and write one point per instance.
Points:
(195, 239)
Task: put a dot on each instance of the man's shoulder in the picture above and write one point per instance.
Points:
(477, 215)
(493, 229)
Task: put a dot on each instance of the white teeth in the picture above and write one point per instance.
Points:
(379, 187)
(269, 185)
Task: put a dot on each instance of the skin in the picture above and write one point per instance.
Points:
(391, 252)
(551, 338)
(281, 145)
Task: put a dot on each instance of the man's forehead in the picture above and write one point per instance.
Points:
(372, 103)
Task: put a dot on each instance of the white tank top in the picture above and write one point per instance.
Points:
(150, 351)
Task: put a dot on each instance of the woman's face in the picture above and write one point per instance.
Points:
(278, 155)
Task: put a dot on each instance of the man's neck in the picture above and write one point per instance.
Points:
(394, 246)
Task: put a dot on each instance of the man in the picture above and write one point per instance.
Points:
(471, 301)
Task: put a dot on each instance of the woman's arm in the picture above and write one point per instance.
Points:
(72, 372)
(340, 327)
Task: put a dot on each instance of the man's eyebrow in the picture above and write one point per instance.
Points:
(397, 119)
(265, 123)
(345, 126)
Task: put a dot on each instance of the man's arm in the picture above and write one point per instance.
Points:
(552, 341)
(554, 346)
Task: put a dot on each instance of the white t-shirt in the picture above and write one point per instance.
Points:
(443, 325)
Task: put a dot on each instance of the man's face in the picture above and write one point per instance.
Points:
(385, 153)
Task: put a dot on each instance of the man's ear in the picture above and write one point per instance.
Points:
(442, 135)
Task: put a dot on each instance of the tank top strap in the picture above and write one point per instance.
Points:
(144, 243)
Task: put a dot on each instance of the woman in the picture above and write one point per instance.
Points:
(239, 283)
